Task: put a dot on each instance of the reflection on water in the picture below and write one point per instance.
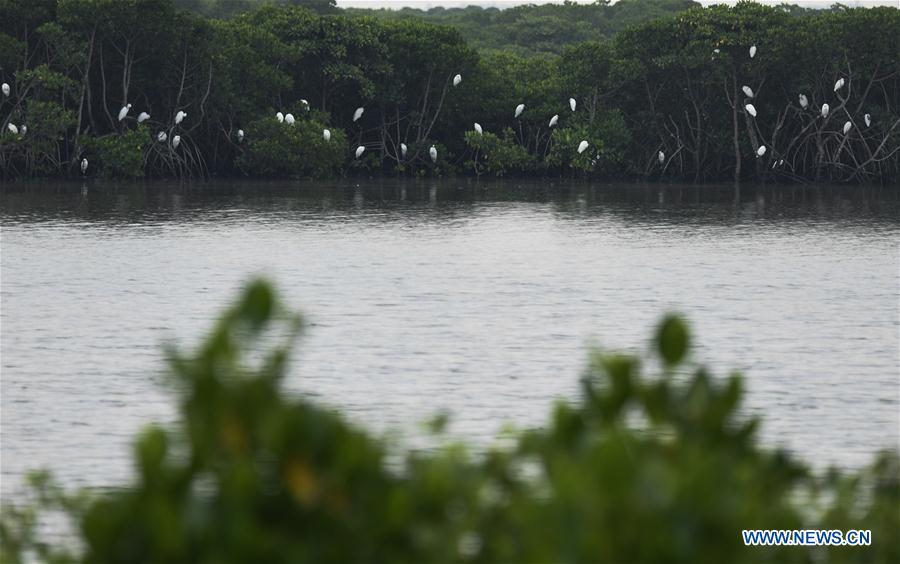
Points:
(476, 298)
(112, 203)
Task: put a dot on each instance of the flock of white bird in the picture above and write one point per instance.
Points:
(289, 119)
(804, 104)
(161, 137)
(573, 104)
(432, 151)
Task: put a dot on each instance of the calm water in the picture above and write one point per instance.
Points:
(422, 297)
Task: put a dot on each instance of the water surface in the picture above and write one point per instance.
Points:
(420, 297)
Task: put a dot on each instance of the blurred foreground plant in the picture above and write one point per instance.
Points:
(643, 469)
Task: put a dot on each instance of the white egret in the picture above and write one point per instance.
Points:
(240, 136)
(717, 51)
(179, 117)
(839, 84)
(358, 113)
(124, 111)
(326, 134)
(868, 118)
(478, 129)
(661, 157)
(359, 151)
(519, 109)
(748, 91)
(84, 165)
(280, 117)
(804, 101)
(5, 89)
(554, 120)
(582, 147)
(162, 136)
(847, 127)
(572, 103)
(752, 51)
(750, 109)
(432, 152)
(143, 116)
(23, 129)
(176, 141)
(305, 103)
(12, 129)
(403, 149)
(289, 119)
(825, 109)
(761, 151)
(457, 79)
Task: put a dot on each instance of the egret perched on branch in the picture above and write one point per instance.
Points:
(403, 149)
(124, 111)
(717, 50)
(554, 120)
(179, 117)
(432, 152)
(305, 103)
(143, 116)
(661, 157)
(825, 109)
(572, 103)
(289, 119)
(519, 109)
(750, 109)
(5, 89)
(13, 129)
(868, 118)
(176, 141)
(478, 129)
(847, 127)
(839, 84)
(748, 91)
(582, 147)
(359, 151)
(358, 113)
(162, 136)
(804, 102)
(761, 151)
(326, 134)
(752, 51)
(23, 129)
(84, 165)
(240, 135)
(280, 117)
(457, 79)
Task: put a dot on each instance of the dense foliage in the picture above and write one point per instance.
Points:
(231, 8)
(535, 28)
(675, 97)
(643, 469)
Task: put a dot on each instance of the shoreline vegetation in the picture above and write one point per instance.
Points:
(653, 463)
(641, 89)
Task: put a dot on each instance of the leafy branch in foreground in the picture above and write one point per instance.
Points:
(644, 468)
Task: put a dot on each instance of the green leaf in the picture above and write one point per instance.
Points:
(672, 339)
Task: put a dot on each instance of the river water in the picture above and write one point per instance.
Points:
(478, 299)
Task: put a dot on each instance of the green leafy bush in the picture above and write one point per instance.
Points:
(119, 155)
(642, 469)
(300, 150)
(564, 153)
(498, 156)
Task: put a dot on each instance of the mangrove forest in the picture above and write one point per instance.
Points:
(653, 89)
